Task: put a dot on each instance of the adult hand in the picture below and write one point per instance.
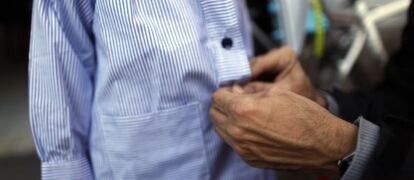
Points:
(278, 129)
(289, 74)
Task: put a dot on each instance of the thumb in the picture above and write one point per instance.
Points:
(223, 98)
(275, 61)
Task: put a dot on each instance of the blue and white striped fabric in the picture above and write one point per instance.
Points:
(120, 89)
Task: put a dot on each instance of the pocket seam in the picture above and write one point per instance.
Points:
(144, 115)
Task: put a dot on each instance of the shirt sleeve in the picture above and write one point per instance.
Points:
(61, 69)
(368, 136)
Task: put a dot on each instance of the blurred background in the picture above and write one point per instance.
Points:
(342, 43)
(17, 155)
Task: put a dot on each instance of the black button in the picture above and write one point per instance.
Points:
(227, 43)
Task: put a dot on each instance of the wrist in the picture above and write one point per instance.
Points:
(338, 140)
(347, 139)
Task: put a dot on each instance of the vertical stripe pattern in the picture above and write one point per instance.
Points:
(121, 89)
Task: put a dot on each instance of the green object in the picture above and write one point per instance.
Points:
(319, 41)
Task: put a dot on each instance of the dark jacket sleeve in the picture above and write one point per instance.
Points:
(390, 106)
(393, 157)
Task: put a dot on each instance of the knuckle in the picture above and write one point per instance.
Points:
(242, 107)
(290, 55)
(276, 91)
(237, 108)
(215, 96)
(271, 92)
(236, 132)
(288, 50)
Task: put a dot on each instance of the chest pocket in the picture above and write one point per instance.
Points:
(161, 145)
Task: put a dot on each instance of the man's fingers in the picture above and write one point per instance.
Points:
(218, 117)
(255, 87)
(237, 89)
(275, 62)
(222, 98)
(223, 134)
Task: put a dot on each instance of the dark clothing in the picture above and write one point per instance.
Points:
(390, 106)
